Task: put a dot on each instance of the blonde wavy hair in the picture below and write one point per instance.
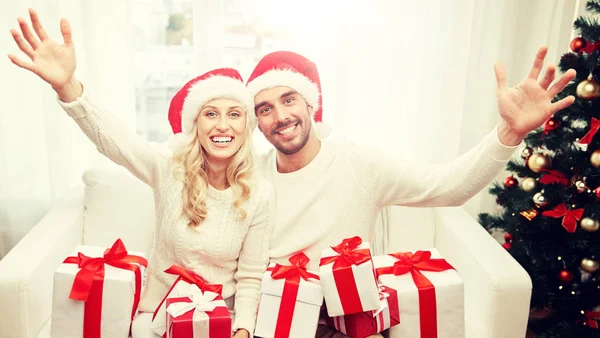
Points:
(190, 166)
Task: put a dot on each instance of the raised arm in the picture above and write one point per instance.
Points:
(55, 64)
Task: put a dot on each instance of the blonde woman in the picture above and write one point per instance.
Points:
(213, 215)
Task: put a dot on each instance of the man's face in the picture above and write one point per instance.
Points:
(284, 118)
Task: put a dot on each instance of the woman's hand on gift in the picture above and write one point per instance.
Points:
(52, 62)
(241, 333)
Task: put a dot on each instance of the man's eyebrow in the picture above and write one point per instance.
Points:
(286, 94)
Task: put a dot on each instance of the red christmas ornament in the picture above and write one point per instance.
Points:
(565, 276)
(510, 182)
(577, 45)
(550, 125)
(597, 192)
(508, 237)
(507, 245)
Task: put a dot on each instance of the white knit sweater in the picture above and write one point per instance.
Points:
(221, 249)
(341, 191)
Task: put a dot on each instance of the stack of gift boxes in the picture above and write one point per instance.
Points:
(413, 294)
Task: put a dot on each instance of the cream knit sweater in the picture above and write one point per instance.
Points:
(222, 249)
(341, 191)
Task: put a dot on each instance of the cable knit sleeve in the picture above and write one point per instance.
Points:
(254, 259)
(114, 140)
(391, 181)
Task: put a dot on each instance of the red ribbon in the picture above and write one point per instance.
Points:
(89, 283)
(189, 277)
(570, 217)
(415, 263)
(554, 176)
(342, 271)
(594, 126)
(219, 324)
(592, 318)
(291, 274)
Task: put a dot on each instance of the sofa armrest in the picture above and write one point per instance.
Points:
(497, 288)
(27, 271)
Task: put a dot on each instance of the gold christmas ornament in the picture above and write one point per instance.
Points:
(529, 184)
(595, 158)
(540, 199)
(580, 185)
(589, 265)
(589, 224)
(538, 162)
(588, 89)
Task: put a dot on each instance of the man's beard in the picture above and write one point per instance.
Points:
(296, 145)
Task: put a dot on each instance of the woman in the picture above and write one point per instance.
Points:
(213, 215)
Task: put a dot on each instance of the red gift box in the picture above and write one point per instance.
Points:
(202, 315)
(360, 325)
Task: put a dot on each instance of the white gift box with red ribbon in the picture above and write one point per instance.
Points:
(347, 278)
(430, 294)
(290, 303)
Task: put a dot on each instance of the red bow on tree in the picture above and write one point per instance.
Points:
(594, 126)
(592, 318)
(554, 176)
(570, 217)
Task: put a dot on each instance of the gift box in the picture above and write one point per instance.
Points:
(201, 315)
(96, 292)
(290, 303)
(361, 325)
(186, 283)
(430, 294)
(347, 278)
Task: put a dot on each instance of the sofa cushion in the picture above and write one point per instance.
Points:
(117, 205)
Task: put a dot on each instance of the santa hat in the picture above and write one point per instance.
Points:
(189, 100)
(296, 72)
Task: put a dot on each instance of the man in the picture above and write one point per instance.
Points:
(327, 192)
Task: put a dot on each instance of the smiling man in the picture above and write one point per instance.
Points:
(327, 192)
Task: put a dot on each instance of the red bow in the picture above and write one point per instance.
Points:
(415, 263)
(592, 318)
(554, 176)
(189, 277)
(291, 274)
(89, 282)
(409, 262)
(295, 271)
(348, 254)
(570, 217)
(594, 127)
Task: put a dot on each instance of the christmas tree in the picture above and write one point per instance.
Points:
(551, 204)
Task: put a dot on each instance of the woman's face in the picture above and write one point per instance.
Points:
(221, 126)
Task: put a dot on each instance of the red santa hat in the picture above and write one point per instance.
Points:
(296, 72)
(189, 100)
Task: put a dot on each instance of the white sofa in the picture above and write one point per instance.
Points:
(113, 204)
